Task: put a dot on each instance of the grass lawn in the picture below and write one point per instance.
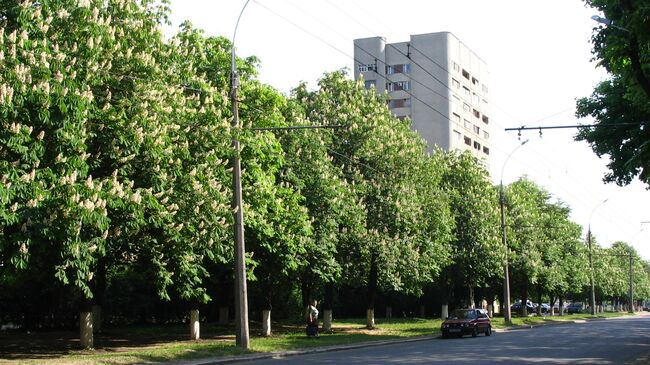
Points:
(130, 345)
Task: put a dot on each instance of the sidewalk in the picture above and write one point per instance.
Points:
(281, 354)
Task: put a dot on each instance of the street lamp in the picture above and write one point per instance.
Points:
(242, 338)
(506, 281)
(592, 297)
(607, 22)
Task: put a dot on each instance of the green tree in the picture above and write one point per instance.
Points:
(476, 246)
(620, 106)
(384, 160)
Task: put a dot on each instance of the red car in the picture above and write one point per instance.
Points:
(466, 322)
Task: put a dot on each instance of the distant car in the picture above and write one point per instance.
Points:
(516, 308)
(466, 322)
(546, 308)
(575, 308)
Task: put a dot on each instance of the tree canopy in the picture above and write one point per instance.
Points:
(620, 106)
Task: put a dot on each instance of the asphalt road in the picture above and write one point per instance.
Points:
(616, 341)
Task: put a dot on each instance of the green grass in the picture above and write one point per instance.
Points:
(130, 345)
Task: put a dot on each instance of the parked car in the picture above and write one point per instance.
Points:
(530, 307)
(467, 322)
(575, 308)
(546, 308)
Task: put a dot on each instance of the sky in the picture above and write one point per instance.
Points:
(538, 54)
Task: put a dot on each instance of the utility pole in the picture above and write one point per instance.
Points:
(592, 296)
(631, 309)
(507, 315)
(242, 338)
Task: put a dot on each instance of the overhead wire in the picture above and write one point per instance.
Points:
(444, 84)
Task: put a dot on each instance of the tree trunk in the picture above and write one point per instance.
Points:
(561, 305)
(267, 306)
(552, 304)
(195, 325)
(266, 322)
(305, 291)
(86, 337)
(444, 311)
(524, 300)
(98, 288)
(471, 296)
(328, 306)
(372, 293)
(223, 315)
(539, 299)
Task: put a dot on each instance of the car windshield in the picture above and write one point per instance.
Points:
(463, 314)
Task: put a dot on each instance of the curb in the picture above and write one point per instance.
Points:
(314, 350)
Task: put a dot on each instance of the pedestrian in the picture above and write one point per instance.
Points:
(312, 320)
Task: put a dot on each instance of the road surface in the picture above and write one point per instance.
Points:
(616, 341)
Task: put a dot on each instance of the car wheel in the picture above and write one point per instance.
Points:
(488, 331)
(474, 332)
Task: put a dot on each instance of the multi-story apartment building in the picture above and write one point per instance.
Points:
(436, 81)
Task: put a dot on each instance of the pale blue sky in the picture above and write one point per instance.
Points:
(538, 54)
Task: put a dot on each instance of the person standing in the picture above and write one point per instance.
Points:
(312, 322)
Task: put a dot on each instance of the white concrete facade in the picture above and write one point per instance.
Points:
(436, 81)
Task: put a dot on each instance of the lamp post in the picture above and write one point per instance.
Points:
(607, 22)
(506, 281)
(242, 338)
(592, 296)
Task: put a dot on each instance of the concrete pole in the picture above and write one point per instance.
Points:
(592, 296)
(241, 296)
(631, 306)
(507, 315)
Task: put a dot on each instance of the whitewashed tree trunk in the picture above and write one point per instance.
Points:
(389, 313)
(195, 325)
(327, 320)
(223, 315)
(86, 330)
(266, 322)
(490, 310)
(97, 318)
(370, 318)
(444, 311)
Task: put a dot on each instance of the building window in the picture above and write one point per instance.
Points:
(485, 89)
(475, 81)
(486, 120)
(368, 67)
(477, 129)
(466, 107)
(455, 83)
(468, 141)
(398, 69)
(466, 92)
(399, 103)
(465, 74)
(456, 67)
(476, 113)
(398, 85)
(371, 84)
(455, 117)
(467, 124)
(457, 136)
(486, 135)
(477, 146)
(476, 99)
(486, 150)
